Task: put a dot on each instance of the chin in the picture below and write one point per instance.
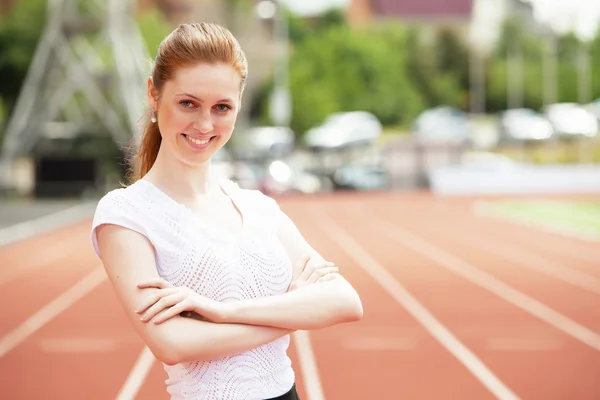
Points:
(197, 161)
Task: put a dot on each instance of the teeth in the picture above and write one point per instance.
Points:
(197, 141)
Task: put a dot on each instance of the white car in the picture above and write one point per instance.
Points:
(344, 129)
(570, 119)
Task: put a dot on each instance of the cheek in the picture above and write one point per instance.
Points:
(175, 121)
(225, 122)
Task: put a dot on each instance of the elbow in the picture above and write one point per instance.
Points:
(169, 359)
(167, 348)
(167, 354)
(350, 308)
(353, 310)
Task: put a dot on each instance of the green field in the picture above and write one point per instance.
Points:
(575, 216)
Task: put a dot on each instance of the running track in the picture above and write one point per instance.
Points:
(457, 306)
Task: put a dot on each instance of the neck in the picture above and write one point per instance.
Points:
(181, 180)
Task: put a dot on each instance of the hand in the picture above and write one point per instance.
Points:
(169, 301)
(312, 271)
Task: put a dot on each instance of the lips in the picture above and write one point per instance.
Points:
(197, 142)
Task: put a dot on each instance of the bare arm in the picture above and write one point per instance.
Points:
(128, 259)
(310, 307)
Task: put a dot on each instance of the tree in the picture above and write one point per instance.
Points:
(435, 69)
(20, 31)
(339, 69)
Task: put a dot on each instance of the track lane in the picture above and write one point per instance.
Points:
(38, 280)
(388, 355)
(522, 350)
(512, 261)
(385, 351)
(85, 352)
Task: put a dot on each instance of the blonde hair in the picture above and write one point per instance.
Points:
(187, 45)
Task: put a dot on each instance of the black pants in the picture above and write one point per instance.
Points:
(291, 395)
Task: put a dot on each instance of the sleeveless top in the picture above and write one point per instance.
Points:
(219, 265)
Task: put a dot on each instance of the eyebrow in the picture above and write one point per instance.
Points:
(225, 100)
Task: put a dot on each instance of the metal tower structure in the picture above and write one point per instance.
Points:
(88, 72)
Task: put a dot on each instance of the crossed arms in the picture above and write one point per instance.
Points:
(231, 328)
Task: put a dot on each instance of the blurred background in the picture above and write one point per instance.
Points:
(456, 96)
(480, 117)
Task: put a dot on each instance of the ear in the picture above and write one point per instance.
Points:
(152, 94)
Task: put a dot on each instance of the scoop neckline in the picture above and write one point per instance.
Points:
(223, 184)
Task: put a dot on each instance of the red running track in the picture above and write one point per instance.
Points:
(457, 306)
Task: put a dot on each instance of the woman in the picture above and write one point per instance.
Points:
(213, 277)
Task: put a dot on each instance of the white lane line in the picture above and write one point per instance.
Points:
(137, 376)
(415, 308)
(308, 366)
(51, 310)
(487, 281)
(26, 229)
(531, 261)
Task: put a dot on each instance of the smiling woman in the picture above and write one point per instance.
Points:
(214, 278)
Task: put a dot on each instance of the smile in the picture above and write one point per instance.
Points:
(197, 142)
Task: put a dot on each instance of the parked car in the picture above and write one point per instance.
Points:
(344, 129)
(571, 120)
(263, 142)
(442, 124)
(361, 178)
(524, 124)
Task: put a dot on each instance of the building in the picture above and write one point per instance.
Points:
(454, 13)
(478, 22)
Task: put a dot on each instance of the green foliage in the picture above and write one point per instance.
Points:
(436, 73)
(20, 30)
(343, 70)
(386, 69)
(153, 28)
(453, 57)
(300, 28)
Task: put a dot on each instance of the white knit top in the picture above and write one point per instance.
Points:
(219, 265)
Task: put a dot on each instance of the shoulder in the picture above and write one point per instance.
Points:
(119, 201)
(120, 207)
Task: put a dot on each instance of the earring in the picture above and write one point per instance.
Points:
(153, 117)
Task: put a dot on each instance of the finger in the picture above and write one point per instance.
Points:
(309, 268)
(160, 305)
(171, 312)
(319, 273)
(328, 277)
(313, 266)
(153, 298)
(155, 283)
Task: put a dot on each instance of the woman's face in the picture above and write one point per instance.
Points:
(197, 110)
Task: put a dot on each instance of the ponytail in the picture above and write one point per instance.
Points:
(143, 159)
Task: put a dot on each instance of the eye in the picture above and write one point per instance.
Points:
(223, 107)
(186, 103)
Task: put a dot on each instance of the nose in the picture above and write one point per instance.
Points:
(204, 122)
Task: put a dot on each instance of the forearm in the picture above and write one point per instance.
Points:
(187, 339)
(311, 307)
